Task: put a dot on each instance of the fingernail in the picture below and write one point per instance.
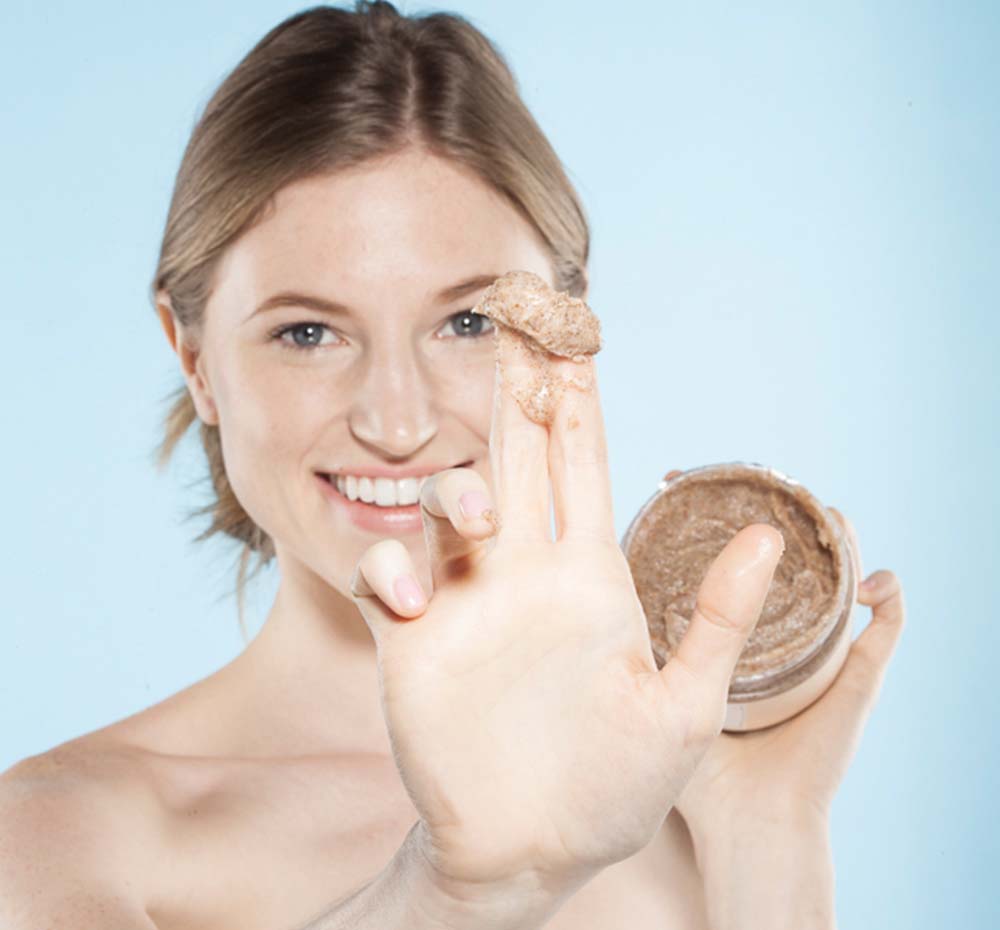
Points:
(473, 503)
(869, 583)
(408, 592)
(765, 545)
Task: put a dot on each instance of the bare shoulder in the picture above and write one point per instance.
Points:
(72, 839)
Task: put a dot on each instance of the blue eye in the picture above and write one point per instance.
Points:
(469, 323)
(465, 323)
(306, 327)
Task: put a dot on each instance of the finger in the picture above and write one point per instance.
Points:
(870, 653)
(518, 445)
(384, 586)
(458, 517)
(578, 456)
(857, 686)
(855, 549)
(672, 474)
(727, 608)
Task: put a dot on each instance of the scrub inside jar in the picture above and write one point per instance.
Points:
(684, 530)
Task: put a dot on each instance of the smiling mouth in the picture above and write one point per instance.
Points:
(332, 481)
(339, 484)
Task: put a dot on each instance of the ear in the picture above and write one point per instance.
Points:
(192, 364)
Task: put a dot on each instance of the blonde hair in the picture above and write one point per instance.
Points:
(326, 89)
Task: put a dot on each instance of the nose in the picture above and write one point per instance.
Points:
(393, 411)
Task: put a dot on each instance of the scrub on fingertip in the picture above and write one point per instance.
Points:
(533, 322)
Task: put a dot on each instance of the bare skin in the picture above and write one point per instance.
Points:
(265, 793)
(248, 843)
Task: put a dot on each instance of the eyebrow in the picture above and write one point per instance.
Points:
(314, 302)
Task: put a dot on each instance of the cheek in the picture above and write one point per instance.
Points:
(465, 388)
(269, 423)
(269, 410)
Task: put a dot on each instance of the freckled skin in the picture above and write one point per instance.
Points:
(270, 785)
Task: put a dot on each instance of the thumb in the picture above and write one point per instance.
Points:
(385, 588)
(727, 608)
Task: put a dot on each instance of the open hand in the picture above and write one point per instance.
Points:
(529, 722)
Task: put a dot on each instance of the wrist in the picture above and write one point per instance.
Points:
(755, 822)
(775, 871)
(522, 902)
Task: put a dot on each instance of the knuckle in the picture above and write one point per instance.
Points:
(593, 451)
(383, 552)
(597, 536)
(885, 577)
(716, 618)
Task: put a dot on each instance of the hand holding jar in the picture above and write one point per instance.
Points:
(801, 691)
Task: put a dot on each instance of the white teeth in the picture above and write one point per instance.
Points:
(408, 491)
(383, 492)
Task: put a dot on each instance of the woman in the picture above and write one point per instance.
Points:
(440, 723)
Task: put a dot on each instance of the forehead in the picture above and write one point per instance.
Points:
(411, 222)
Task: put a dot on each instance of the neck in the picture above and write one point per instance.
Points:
(308, 682)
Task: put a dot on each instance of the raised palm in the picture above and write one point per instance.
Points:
(527, 717)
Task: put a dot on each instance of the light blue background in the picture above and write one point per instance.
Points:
(795, 216)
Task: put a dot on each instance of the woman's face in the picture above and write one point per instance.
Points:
(393, 378)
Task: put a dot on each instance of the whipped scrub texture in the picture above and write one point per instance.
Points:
(683, 528)
(533, 323)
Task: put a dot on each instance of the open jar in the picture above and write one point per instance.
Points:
(803, 634)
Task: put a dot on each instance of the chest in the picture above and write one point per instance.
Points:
(270, 850)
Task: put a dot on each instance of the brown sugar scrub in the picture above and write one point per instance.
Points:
(535, 323)
(801, 638)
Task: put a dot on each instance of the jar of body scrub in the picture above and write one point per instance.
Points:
(803, 634)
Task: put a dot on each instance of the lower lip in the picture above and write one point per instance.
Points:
(371, 517)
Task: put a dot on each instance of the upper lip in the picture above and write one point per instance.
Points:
(387, 471)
